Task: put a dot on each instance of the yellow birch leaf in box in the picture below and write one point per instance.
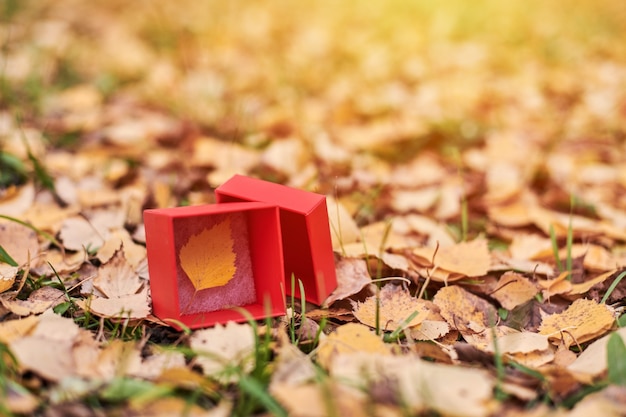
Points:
(208, 258)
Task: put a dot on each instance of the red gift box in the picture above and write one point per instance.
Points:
(308, 253)
(205, 260)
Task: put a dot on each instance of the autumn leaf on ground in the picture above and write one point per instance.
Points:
(7, 276)
(122, 293)
(343, 228)
(513, 289)
(471, 259)
(37, 302)
(465, 311)
(420, 385)
(15, 329)
(352, 277)
(224, 351)
(208, 257)
(350, 338)
(77, 233)
(396, 308)
(20, 242)
(47, 349)
(592, 362)
(582, 321)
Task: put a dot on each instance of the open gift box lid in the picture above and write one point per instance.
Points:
(208, 262)
(307, 246)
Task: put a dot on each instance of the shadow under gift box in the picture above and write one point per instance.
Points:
(307, 245)
(193, 250)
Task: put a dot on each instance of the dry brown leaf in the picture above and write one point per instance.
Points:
(117, 278)
(470, 259)
(352, 277)
(349, 339)
(293, 367)
(315, 400)
(223, 347)
(37, 302)
(77, 234)
(558, 285)
(582, 321)
(47, 349)
(60, 262)
(446, 389)
(16, 204)
(156, 363)
(513, 289)
(592, 362)
(132, 306)
(343, 228)
(395, 306)
(437, 232)
(583, 287)
(504, 263)
(20, 242)
(404, 201)
(522, 342)
(430, 330)
(463, 310)
(534, 359)
(14, 329)
(7, 276)
(608, 402)
(121, 239)
(512, 215)
(175, 407)
(527, 246)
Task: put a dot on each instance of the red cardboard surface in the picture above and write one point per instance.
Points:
(307, 245)
(257, 243)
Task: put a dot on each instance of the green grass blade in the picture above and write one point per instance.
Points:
(6, 258)
(257, 391)
(614, 284)
(555, 249)
(568, 244)
(616, 360)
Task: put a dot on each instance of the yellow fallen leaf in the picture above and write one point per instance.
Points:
(447, 389)
(208, 258)
(513, 289)
(583, 287)
(463, 310)
(7, 276)
(352, 277)
(430, 330)
(470, 259)
(395, 306)
(20, 242)
(582, 321)
(592, 363)
(37, 302)
(222, 347)
(133, 306)
(117, 278)
(558, 285)
(14, 329)
(350, 338)
(343, 228)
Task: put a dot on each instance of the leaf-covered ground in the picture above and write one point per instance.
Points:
(474, 159)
